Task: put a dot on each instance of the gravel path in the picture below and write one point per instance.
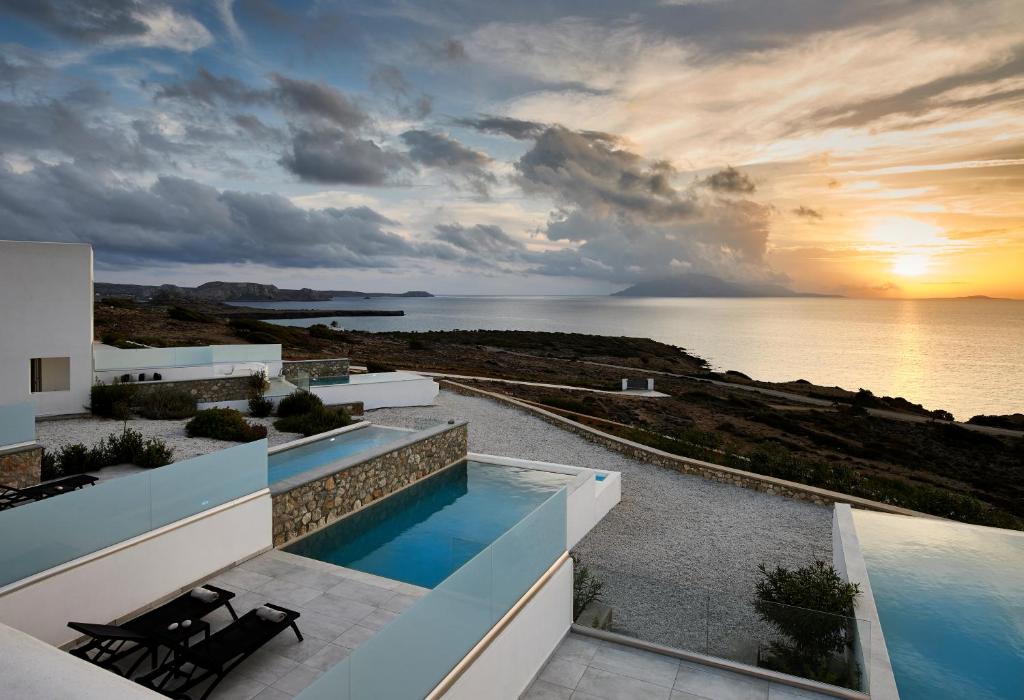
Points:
(679, 554)
(51, 434)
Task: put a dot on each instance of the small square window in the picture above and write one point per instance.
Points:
(51, 374)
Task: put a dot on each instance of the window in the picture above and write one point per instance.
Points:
(51, 374)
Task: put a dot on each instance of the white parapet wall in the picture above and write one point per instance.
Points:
(116, 582)
(380, 390)
(511, 661)
(849, 562)
(34, 670)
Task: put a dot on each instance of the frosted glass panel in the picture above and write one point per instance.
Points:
(37, 536)
(17, 423)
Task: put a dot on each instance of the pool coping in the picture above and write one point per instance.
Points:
(849, 561)
(581, 474)
(340, 465)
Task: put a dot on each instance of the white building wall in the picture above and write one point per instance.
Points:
(45, 311)
(114, 582)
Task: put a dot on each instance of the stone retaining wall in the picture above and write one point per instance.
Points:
(21, 466)
(326, 499)
(314, 369)
(204, 390)
(686, 465)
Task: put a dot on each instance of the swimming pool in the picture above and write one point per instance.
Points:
(424, 533)
(950, 598)
(295, 460)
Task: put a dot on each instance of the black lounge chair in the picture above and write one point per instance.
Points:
(109, 644)
(216, 656)
(11, 496)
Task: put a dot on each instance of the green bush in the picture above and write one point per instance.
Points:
(109, 399)
(319, 420)
(167, 403)
(586, 588)
(128, 447)
(260, 406)
(224, 424)
(372, 366)
(182, 313)
(324, 332)
(298, 403)
(49, 469)
(154, 453)
(812, 607)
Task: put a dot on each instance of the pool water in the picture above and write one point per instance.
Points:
(950, 599)
(316, 454)
(424, 533)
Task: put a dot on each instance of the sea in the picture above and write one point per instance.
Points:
(965, 355)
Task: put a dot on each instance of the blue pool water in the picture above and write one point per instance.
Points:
(316, 454)
(951, 601)
(424, 533)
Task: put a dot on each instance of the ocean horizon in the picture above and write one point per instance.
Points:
(961, 355)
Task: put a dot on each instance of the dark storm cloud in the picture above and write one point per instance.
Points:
(731, 181)
(177, 220)
(487, 241)
(86, 20)
(590, 170)
(437, 150)
(516, 128)
(808, 213)
(303, 98)
(336, 157)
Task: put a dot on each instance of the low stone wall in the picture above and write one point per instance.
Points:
(204, 390)
(325, 499)
(686, 465)
(314, 369)
(21, 466)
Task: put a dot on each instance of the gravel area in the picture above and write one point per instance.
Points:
(51, 434)
(679, 554)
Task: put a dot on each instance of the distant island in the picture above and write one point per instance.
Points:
(233, 291)
(697, 285)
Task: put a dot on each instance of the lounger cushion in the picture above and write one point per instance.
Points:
(204, 594)
(269, 614)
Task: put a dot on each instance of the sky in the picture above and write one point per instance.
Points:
(466, 146)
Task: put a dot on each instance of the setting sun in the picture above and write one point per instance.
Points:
(911, 265)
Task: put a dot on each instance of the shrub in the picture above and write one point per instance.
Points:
(586, 588)
(298, 403)
(167, 403)
(258, 383)
(260, 406)
(154, 453)
(73, 459)
(811, 607)
(262, 332)
(104, 399)
(224, 424)
(182, 313)
(379, 367)
(49, 468)
(418, 344)
(319, 420)
(319, 330)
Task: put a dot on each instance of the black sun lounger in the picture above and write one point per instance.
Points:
(218, 655)
(109, 644)
(11, 496)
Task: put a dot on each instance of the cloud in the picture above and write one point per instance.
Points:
(302, 98)
(335, 156)
(452, 50)
(179, 220)
(128, 22)
(440, 151)
(808, 213)
(403, 95)
(486, 241)
(507, 126)
(731, 181)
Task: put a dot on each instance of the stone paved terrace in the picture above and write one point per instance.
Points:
(583, 668)
(340, 609)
